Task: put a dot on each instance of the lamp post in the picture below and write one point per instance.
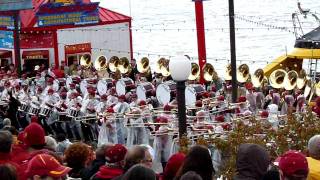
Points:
(180, 69)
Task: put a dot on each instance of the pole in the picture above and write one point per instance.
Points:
(200, 37)
(181, 108)
(17, 42)
(233, 52)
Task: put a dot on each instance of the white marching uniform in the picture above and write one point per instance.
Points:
(108, 131)
(112, 100)
(162, 145)
(121, 108)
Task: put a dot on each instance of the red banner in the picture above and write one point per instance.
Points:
(40, 54)
(36, 40)
(77, 48)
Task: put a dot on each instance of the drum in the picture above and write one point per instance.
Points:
(166, 92)
(24, 107)
(124, 85)
(193, 93)
(34, 110)
(144, 90)
(73, 112)
(103, 85)
(62, 116)
(44, 111)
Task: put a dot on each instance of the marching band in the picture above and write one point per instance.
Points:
(89, 105)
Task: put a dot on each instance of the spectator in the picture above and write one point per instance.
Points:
(252, 162)
(198, 160)
(314, 159)
(6, 141)
(51, 143)
(8, 172)
(115, 161)
(6, 123)
(76, 157)
(98, 162)
(63, 143)
(293, 165)
(191, 175)
(140, 172)
(173, 165)
(44, 166)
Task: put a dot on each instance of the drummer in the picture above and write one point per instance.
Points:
(72, 89)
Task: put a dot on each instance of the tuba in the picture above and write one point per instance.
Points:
(243, 73)
(143, 65)
(85, 60)
(227, 73)
(124, 65)
(159, 64)
(100, 63)
(277, 78)
(291, 80)
(165, 68)
(114, 63)
(195, 72)
(302, 79)
(257, 78)
(209, 73)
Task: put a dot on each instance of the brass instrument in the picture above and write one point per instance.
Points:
(257, 78)
(308, 88)
(291, 80)
(243, 73)
(159, 65)
(143, 65)
(165, 68)
(277, 78)
(302, 79)
(209, 72)
(227, 74)
(85, 60)
(114, 63)
(100, 63)
(195, 72)
(124, 65)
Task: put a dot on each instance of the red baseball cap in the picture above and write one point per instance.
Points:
(46, 165)
(116, 153)
(173, 165)
(264, 114)
(221, 98)
(242, 99)
(294, 163)
(142, 103)
(50, 90)
(34, 134)
(199, 103)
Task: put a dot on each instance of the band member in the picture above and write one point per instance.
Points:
(136, 131)
(133, 100)
(242, 109)
(121, 108)
(71, 90)
(112, 99)
(108, 129)
(251, 97)
(49, 86)
(5, 93)
(301, 104)
(102, 105)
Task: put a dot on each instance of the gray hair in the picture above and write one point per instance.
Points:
(314, 146)
(6, 122)
(51, 143)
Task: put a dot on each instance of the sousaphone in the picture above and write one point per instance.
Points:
(85, 60)
(209, 72)
(291, 80)
(277, 78)
(302, 79)
(124, 65)
(143, 65)
(159, 64)
(243, 73)
(195, 72)
(165, 68)
(257, 78)
(114, 63)
(227, 73)
(100, 63)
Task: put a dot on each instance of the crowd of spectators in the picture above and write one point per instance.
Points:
(31, 155)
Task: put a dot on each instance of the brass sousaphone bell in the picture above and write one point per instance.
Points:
(85, 60)
(114, 63)
(124, 65)
(209, 72)
(277, 78)
(258, 78)
(291, 80)
(195, 72)
(159, 64)
(100, 63)
(243, 73)
(302, 79)
(143, 65)
(227, 73)
(165, 68)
